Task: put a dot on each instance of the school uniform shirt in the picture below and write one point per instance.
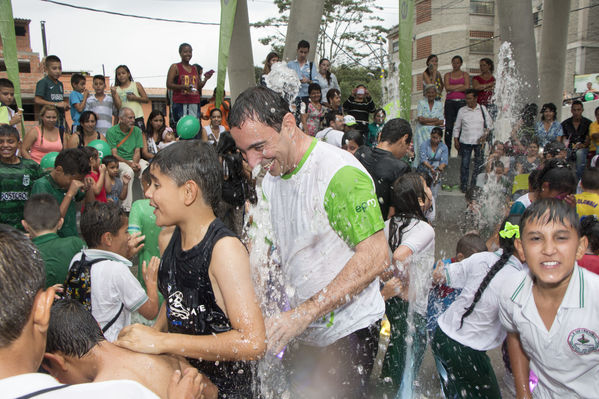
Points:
(25, 384)
(319, 212)
(471, 124)
(587, 204)
(520, 205)
(103, 109)
(6, 114)
(331, 136)
(112, 285)
(565, 358)
(481, 330)
(419, 236)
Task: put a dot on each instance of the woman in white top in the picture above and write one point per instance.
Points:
(211, 133)
(325, 78)
(412, 241)
(471, 325)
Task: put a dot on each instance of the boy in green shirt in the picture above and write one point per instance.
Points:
(16, 178)
(42, 220)
(65, 183)
(50, 91)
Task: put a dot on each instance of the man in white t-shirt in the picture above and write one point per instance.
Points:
(328, 230)
(333, 133)
(115, 291)
(25, 313)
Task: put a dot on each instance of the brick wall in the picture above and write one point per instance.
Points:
(424, 47)
(423, 12)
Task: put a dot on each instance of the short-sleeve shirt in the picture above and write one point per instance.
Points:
(51, 90)
(113, 284)
(46, 184)
(319, 212)
(16, 182)
(57, 254)
(115, 135)
(75, 98)
(565, 358)
(587, 204)
(103, 109)
(303, 71)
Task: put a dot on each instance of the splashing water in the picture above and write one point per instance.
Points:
(284, 81)
(507, 86)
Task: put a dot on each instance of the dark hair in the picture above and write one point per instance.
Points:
(550, 107)
(554, 148)
(428, 59)
(259, 104)
(576, 102)
(99, 77)
(72, 331)
(108, 159)
(150, 129)
(22, 276)
(457, 57)
(474, 92)
(145, 176)
(533, 180)
(380, 110)
(8, 130)
(557, 212)
(328, 75)
(406, 191)
(499, 164)
(353, 135)
(74, 161)
(529, 113)
(7, 84)
(395, 129)
(507, 245)
(437, 130)
(490, 63)
(41, 212)
(76, 78)
(126, 68)
(213, 110)
(303, 44)
(590, 179)
(332, 93)
(470, 244)
(596, 109)
(269, 57)
(196, 161)
(331, 116)
(589, 227)
(558, 174)
(51, 58)
(314, 86)
(91, 152)
(99, 218)
(183, 45)
(84, 117)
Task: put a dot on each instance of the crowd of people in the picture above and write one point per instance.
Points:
(352, 201)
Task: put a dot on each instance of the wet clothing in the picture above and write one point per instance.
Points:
(16, 182)
(57, 254)
(191, 306)
(484, 96)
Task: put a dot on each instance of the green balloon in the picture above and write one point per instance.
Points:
(589, 96)
(102, 147)
(47, 161)
(188, 127)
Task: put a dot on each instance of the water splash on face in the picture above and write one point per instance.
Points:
(284, 81)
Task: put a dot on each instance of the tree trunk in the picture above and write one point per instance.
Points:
(304, 24)
(241, 60)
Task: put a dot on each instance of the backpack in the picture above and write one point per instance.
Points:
(78, 285)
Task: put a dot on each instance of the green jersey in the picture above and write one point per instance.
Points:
(51, 90)
(16, 182)
(57, 254)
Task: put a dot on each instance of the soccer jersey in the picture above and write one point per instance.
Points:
(587, 204)
(16, 182)
(51, 90)
(320, 212)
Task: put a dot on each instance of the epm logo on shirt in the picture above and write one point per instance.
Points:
(365, 205)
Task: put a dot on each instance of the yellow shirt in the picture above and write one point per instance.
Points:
(594, 128)
(587, 204)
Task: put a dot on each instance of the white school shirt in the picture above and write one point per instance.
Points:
(331, 136)
(419, 236)
(481, 330)
(470, 122)
(23, 384)
(328, 194)
(112, 285)
(565, 358)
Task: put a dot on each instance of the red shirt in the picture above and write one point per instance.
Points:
(188, 79)
(590, 262)
(484, 96)
(102, 196)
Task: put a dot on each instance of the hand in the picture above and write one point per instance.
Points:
(113, 91)
(456, 144)
(150, 272)
(392, 288)
(570, 199)
(74, 187)
(66, 106)
(131, 97)
(283, 327)
(135, 166)
(102, 168)
(17, 118)
(140, 338)
(85, 92)
(188, 386)
(60, 104)
(305, 80)
(135, 243)
(88, 181)
(208, 75)
(126, 179)
(58, 289)
(439, 273)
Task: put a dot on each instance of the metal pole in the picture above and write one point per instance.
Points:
(43, 24)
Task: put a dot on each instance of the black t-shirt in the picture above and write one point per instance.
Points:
(576, 135)
(191, 306)
(384, 169)
(359, 110)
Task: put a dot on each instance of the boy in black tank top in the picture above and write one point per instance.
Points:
(211, 314)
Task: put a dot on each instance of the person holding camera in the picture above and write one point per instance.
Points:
(360, 106)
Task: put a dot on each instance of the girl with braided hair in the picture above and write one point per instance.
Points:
(470, 326)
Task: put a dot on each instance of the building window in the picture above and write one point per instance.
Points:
(395, 47)
(20, 30)
(423, 47)
(423, 12)
(481, 46)
(482, 7)
(28, 112)
(159, 105)
(24, 66)
(535, 18)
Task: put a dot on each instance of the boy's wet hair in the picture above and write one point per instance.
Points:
(395, 129)
(550, 210)
(470, 244)
(331, 116)
(99, 218)
(589, 227)
(50, 59)
(590, 179)
(99, 77)
(194, 160)
(6, 84)
(8, 130)
(259, 104)
(76, 78)
(42, 212)
(22, 276)
(74, 161)
(558, 174)
(353, 135)
(72, 331)
(108, 159)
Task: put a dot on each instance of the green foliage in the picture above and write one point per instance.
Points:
(351, 76)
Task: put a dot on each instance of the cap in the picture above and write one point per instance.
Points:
(349, 120)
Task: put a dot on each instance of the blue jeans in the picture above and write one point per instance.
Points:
(466, 154)
(581, 161)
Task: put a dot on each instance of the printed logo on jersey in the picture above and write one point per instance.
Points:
(583, 341)
(26, 180)
(365, 205)
(14, 196)
(179, 310)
